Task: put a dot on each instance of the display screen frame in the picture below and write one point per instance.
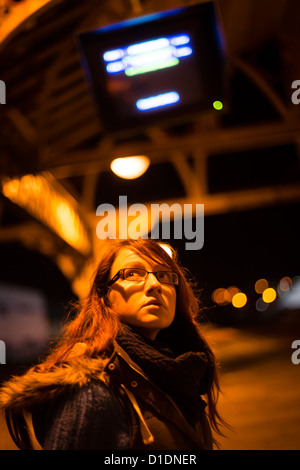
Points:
(204, 78)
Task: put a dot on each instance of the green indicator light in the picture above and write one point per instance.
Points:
(218, 105)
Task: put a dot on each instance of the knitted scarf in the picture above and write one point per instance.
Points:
(184, 377)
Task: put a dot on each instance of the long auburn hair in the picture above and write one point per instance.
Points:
(96, 325)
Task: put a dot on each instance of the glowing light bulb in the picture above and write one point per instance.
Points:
(269, 295)
(130, 167)
(239, 300)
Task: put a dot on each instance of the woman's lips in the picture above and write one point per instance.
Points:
(153, 303)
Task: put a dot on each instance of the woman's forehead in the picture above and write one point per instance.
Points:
(128, 255)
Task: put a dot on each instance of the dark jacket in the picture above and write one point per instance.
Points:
(111, 404)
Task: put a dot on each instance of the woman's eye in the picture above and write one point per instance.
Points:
(162, 276)
(130, 273)
(134, 273)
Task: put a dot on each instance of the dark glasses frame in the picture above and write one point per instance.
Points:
(120, 274)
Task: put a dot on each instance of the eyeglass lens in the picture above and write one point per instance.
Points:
(136, 275)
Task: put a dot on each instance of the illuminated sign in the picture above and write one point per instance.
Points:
(148, 56)
(152, 102)
(157, 68)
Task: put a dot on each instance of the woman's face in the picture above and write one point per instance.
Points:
(149, 305)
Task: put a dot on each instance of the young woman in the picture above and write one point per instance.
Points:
(131, 370)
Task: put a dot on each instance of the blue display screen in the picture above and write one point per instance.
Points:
(148, 56)
(162, 67)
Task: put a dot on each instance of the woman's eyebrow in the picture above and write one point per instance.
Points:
(137, 264)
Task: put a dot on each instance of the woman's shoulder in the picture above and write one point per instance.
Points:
(92, 397)
(40, 384)
(80, 414)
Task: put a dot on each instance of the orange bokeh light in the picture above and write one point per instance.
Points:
(261, 285)
(239, 300)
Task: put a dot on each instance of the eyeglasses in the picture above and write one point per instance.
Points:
(139, 275)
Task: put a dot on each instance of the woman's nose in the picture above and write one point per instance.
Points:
(152, 282)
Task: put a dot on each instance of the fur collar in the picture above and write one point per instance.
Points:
(21, 392)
